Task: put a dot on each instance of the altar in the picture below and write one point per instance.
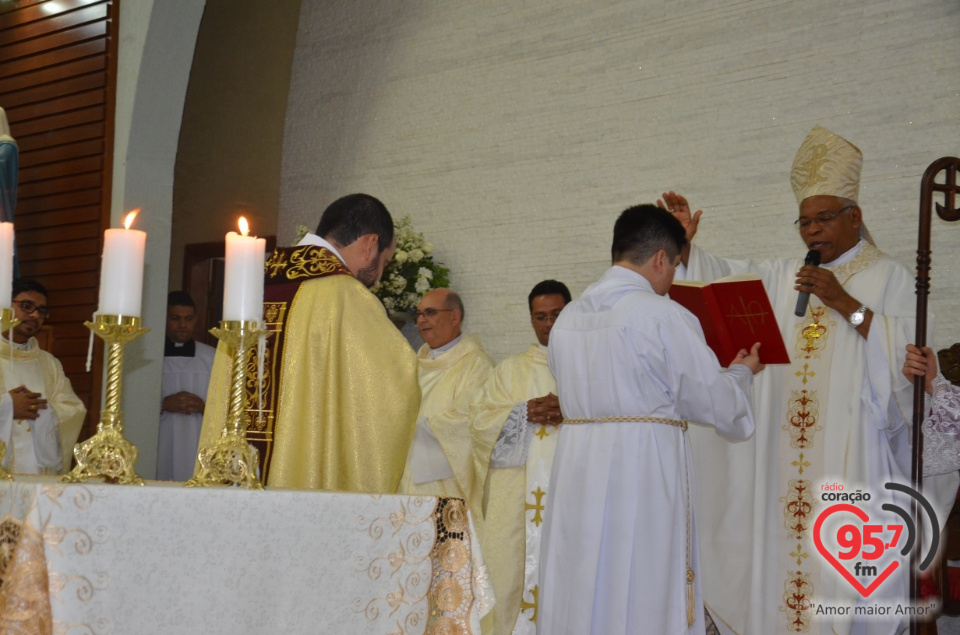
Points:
(123, 560)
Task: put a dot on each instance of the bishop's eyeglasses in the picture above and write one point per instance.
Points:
(820, 219)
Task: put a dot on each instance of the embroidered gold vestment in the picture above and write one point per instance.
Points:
(339, 390)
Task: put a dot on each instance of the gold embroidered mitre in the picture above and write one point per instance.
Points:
(826, 164)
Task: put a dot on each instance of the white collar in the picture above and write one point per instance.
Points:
(437, 352)
(313, 239)
(846, 256)
(20, 347)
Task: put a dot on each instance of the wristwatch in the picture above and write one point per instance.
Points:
(857, 317)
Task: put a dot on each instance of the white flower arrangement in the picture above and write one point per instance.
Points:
(412, 272)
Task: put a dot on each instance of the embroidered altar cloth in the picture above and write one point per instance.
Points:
(109, 559)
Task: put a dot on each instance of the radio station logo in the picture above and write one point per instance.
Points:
(863, 549)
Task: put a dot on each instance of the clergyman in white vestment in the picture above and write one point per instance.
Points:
(187, 365)
(520, 401)
(619, 551)
(838, 414)
(40, 415)
(452, 370)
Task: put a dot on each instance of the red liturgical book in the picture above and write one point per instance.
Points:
(734, 312)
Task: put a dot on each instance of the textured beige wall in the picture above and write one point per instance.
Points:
(514, 133)
(228, 158)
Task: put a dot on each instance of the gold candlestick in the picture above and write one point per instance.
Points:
(107, 454)
(231, 460)
(7, 322)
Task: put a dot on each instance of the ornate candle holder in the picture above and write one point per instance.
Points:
(107, 454)
(7, 322)
(231, 460)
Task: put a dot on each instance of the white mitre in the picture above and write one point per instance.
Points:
(827, 164)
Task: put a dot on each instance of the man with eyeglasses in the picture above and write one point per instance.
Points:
(341, 397)
(519, 403)
(452, 370)
(40, 415)
(836, 414)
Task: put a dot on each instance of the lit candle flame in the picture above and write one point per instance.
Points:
(128, 219)
(244, 228)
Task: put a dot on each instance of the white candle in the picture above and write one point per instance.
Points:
(6, 263)
(243, 276)
(121, 270)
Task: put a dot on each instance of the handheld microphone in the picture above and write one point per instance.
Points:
(813, 258)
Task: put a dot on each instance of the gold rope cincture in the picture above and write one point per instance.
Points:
(680, 423)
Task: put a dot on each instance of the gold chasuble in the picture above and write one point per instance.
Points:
(340, 400)
(514, 498)
(452, 384)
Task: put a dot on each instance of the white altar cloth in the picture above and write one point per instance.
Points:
(124, 560)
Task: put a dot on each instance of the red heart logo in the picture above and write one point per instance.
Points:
(862, 515)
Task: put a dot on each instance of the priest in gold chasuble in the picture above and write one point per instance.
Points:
(341, 397)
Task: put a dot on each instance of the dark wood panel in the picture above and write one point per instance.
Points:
(54, 41)
(59, 170)
(54, 90)
(56, 106)
(39, 220)
(65, 184)
(74, 314)
(68, 280)
(26, 11)
(26, 81)
(59, 121)
(56, 22)
(51, 139)
(69, 297)
(89, 262)
(57, 56)
(91, 147)
(30, 254)
(57, 83)
(73, 365)
(59, 201)
(68, 330)
(72, 348)
(62, 233)
(81, 382)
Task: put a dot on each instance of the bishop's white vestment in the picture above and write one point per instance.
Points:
(180, 433)
(620, 534)
(838, 413)
(517, 485)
